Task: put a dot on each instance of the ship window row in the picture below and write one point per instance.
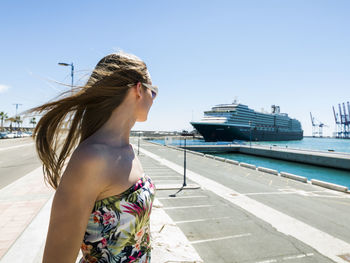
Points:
(267, 121)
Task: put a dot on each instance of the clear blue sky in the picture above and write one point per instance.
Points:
(295, 54)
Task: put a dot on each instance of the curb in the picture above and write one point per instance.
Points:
(232, 161)
(169, 243)
(209, 156)
(336, 187)
(267, 170)
(247, 165)
(294, 177)
(302, 179)
(32, 241)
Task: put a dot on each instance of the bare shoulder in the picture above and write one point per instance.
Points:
(80, 185)
(90, 152)
(86, 170)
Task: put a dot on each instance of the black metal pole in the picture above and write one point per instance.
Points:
(72, 75)
(138, 147)
(184, 163)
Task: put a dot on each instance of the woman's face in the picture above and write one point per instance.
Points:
(146, 102)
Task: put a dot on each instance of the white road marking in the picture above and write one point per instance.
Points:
(267, 261)
(161, 176)
(183, 197)
(182, 207)
(201, 220)
(324, 243)
(17, 146)
(303, 193)
(298, 256)
(286, 258)
(220, 238)
(332, 196)
(270, 193)
(168, 180)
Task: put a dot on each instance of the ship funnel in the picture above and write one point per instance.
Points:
(275, 109)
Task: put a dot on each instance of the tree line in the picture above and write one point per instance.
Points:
(17, 120)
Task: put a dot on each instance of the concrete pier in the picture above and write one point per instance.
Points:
(250, 216)
(319, 158)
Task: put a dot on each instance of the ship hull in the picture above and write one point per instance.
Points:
(224, 132)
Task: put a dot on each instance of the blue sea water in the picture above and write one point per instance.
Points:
(309, 171)
(319, 144)
(334, 176)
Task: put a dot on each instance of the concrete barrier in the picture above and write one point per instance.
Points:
(209, 156)
(156, 143)
(232, 161)
(247, 165)
(321, 158)
(294, 177)
(336, 187)
(197, 153)
(219, 159)
(267, 170)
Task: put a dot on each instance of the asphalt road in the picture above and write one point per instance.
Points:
(17, 158)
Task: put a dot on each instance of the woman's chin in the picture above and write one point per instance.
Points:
(142, 119)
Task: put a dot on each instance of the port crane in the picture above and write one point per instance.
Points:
(342, 121)
(317, 127)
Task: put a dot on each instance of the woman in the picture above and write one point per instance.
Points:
(103, 199)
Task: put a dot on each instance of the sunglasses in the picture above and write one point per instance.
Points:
(154, 89)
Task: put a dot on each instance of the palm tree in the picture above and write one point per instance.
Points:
(11, 120)
(3, 116)
(19, 121)
(32, 121)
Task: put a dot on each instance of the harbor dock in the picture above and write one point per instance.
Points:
(227, 212)
(245, 215)
(321, 158)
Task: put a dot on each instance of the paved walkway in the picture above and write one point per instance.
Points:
(20, 202)
(237, 215)
(244, 215)
(25, 207)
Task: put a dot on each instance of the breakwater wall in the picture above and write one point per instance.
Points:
(302, 179)
(319, 158)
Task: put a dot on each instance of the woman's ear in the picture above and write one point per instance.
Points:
(139, 90)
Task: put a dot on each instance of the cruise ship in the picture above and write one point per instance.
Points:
(229, 122)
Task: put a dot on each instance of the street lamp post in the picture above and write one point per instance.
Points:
(71, 72)
(138, 147)
(184, 162)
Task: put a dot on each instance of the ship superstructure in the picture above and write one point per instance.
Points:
(228, 122)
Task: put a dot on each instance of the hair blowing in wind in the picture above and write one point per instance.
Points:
(87, 109)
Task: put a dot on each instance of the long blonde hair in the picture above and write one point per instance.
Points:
(87, 108)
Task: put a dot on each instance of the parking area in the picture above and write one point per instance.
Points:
(221, 231)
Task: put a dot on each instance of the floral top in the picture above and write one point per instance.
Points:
(118, 230)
